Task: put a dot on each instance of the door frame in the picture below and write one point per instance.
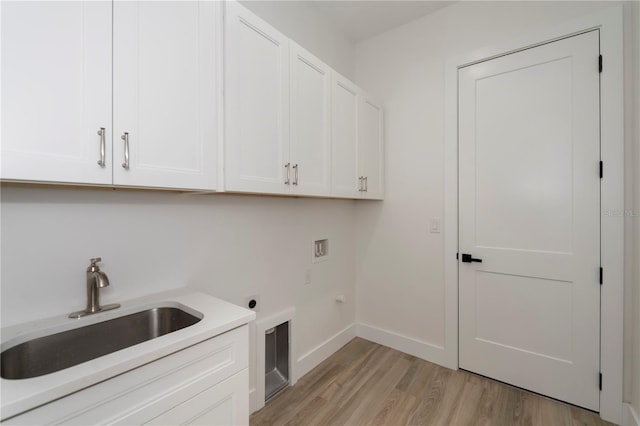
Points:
(610, 23)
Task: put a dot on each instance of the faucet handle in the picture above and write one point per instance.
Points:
(94, 267)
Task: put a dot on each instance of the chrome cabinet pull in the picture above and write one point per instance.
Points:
(295, 175)
(366, 184)
(103, 146)
(287, 181)
(125, 138)
(360, 179)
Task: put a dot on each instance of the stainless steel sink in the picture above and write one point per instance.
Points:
(55, 352)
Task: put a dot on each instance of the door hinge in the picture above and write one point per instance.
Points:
(601, 275)
(600, 382)
(600, 63)
(601, 169)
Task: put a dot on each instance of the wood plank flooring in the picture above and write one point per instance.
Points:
(368, 384)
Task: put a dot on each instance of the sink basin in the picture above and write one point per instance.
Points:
(55, 352)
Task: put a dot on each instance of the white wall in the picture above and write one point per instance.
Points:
(234, 246)
(400, 265)
(302, 23)
(228, 246)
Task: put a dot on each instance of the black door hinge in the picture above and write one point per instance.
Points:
(600, 384)
(601, 275)
(600, 63)
(601, 169)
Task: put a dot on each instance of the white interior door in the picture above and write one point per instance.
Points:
(529, 154)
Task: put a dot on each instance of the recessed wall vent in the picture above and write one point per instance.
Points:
(276, 363)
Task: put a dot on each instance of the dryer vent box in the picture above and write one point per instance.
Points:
(276, 365)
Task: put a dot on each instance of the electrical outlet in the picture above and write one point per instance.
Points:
(252, 302)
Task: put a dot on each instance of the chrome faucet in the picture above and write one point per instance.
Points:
(96, 280)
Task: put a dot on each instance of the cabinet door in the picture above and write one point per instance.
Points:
(165, 93)
(56, 91)
(371, 148)
(310, 148)
(256, 103)
(226, 403)
(344, 138)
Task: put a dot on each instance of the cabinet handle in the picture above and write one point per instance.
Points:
(366, 184)
(295, 174)
(103, 146)
(287, 181)
(125, 138)
(360, 183)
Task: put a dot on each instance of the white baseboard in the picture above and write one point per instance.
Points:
(253, 401)
(629, 416)
(324, 350)
(423, 350)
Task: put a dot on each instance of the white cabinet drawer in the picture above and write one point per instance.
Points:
(139, 395)
(226, 403)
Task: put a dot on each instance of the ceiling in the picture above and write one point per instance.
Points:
(361, 19)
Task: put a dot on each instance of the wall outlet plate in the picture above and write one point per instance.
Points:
(252, 302)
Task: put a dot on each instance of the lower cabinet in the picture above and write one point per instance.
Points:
(207, 383)
(226, 403)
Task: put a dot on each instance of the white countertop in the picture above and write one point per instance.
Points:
(18, 396)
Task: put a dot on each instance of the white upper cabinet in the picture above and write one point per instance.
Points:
(371, 149)
(310, 148)
(165, 72)
(356, 142)
(130, 93)
(345, 104)
(56, 91)
(256, 104)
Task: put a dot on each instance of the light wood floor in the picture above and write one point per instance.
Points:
(368, 384)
